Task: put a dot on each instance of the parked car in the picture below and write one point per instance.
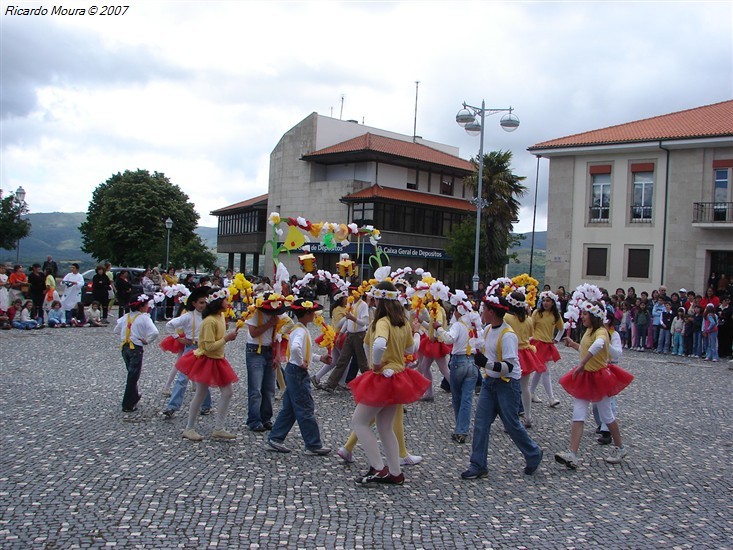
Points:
(136, 275)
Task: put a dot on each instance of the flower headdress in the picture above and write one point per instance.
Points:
(581, 300)
(220, 294)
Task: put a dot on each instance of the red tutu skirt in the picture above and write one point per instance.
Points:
(212, 372)
(595, 386)
(340, 339)
(530, 362)
(546, 351)
(376, 390)
(435, 349)
(171, 344)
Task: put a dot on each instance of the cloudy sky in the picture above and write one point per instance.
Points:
(202, 91)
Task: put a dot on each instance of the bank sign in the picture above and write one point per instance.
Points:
(391, 250)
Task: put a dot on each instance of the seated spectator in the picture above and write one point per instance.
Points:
(25, 320)
(14, 310)
(94, 316)
(78, 317)
(56, 316)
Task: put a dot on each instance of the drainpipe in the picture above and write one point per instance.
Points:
(666, 203)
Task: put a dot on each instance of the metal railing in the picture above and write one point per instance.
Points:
(640, 214)
(712, 212)
(599, 214)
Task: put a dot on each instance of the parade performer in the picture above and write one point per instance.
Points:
(297, 402)
(380, 391)
(463, 335)
(501, 372)
(523, 327)
(136, 329)
(262, 364)
(615, 349)
(338, 322)
(207, 366)
(433, 317)
(546, 320)
(186, 328)
(594, 380)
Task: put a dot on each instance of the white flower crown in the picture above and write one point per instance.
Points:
(594, 309)
(385, 294)
(218, 295)
(515, 302)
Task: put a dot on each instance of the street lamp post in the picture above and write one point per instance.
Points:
(168, 226)
(20, 200)
(466, 118)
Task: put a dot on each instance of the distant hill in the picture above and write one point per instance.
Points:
(57, 234)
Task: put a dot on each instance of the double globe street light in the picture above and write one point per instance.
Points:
(20, 201)
(467, 118)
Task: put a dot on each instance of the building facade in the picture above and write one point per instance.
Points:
(642, 204)
(325, 169)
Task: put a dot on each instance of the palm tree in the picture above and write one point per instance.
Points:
(502, 190)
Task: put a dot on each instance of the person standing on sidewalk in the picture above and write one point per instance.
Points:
(500, 389)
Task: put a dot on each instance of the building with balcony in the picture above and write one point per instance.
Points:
(325, 169)
(644, 203)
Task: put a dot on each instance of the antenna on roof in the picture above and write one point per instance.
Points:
(414, 128)
(341, 114)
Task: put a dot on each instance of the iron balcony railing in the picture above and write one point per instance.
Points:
(712, 212)
(599, 214)
(641, 214)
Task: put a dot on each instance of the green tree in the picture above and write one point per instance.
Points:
(193, 254)
(502, 190)
(126, 219)
(12, 226)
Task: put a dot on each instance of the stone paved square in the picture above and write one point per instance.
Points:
(75, 472)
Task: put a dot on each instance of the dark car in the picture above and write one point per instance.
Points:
(136, 275)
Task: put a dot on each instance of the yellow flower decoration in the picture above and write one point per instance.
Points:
(307, 304)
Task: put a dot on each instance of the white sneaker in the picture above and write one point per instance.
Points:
(192, 435)
(410, 460)
(536, 399)
(345, 455)
(617, 455)
(568, 458)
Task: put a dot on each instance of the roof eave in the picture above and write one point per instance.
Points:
(378, 156)
(631, 146)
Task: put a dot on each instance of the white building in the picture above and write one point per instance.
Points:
(325, 169)
(643, 203)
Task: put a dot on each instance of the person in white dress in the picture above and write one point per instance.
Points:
(72, 284)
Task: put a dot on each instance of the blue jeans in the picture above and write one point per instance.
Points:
(697, 343)
(133, 359)
(712, 346)
(463, 374)
(641, 335)
(297, 405)
(597, 417)
(500, 398)
(260, 387)
(179, 390)
(677, 344)
(663, 343)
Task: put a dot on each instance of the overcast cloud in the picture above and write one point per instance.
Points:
(203, 91)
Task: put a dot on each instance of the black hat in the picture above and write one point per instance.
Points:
(305, 305)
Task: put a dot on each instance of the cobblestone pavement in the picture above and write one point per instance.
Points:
(77, 472)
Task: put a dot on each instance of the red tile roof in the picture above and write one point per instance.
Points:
(240, 205)
(701, 122)
(405, 195)
(393, 147)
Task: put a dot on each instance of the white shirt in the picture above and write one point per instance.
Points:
(360, 310)
(72, 284)
(189, 323)
(300, 346)
(258, 319)
(143, 330)
(509, 350)
(458, 335)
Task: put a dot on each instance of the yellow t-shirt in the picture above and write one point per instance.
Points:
(337, 315)
(211, 337)
(523, 330)
(545, 325)
(398, 340)
(599, 360)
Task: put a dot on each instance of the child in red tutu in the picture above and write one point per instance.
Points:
(594, 380)
(523, 327)
(386, 386)
(207, 366)
(546, 319)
